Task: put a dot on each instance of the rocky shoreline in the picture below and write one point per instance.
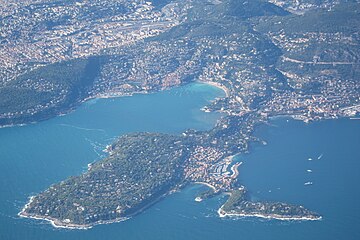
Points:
(72, 226)
(61, 224)
(223, 214)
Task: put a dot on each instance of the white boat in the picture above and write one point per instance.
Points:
(319, 157)
(310, 159)
(308, 183)
(309, 171)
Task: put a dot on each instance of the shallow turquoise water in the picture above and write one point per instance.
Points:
(35, 156)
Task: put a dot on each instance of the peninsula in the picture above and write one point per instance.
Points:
(141, 169)
(270, 60)
(239, 205)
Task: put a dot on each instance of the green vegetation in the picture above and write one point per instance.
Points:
(342, 18)
(47, 91)
(270, 63)
(239, 203)
(141, 168)
(207, 194)
(237, 197)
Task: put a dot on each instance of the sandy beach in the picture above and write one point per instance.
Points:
(218, 85)
(207, 184)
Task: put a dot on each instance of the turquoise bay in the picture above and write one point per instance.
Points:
(33, 157)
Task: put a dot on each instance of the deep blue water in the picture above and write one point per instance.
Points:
(35, 156)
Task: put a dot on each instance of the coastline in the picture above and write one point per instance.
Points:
(207, 184)
(218, 85)
(72, 108)
(53, 221)
(16, 125)
(79, 102)
(56, 223)
(223, 214)
(59, 224)
(235, 169)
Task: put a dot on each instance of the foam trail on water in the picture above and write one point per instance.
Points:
(97, 147)
(82, 128)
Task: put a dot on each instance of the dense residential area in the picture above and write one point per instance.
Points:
(266, 59)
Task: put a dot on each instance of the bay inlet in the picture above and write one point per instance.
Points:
(35, 156)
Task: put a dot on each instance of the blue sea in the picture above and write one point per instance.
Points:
(35, 156)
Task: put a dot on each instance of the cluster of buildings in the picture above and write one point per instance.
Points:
(209, 165)
(299, 7)
(34, 34)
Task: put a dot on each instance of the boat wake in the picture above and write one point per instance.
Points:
(82, 128)
(98, 148)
